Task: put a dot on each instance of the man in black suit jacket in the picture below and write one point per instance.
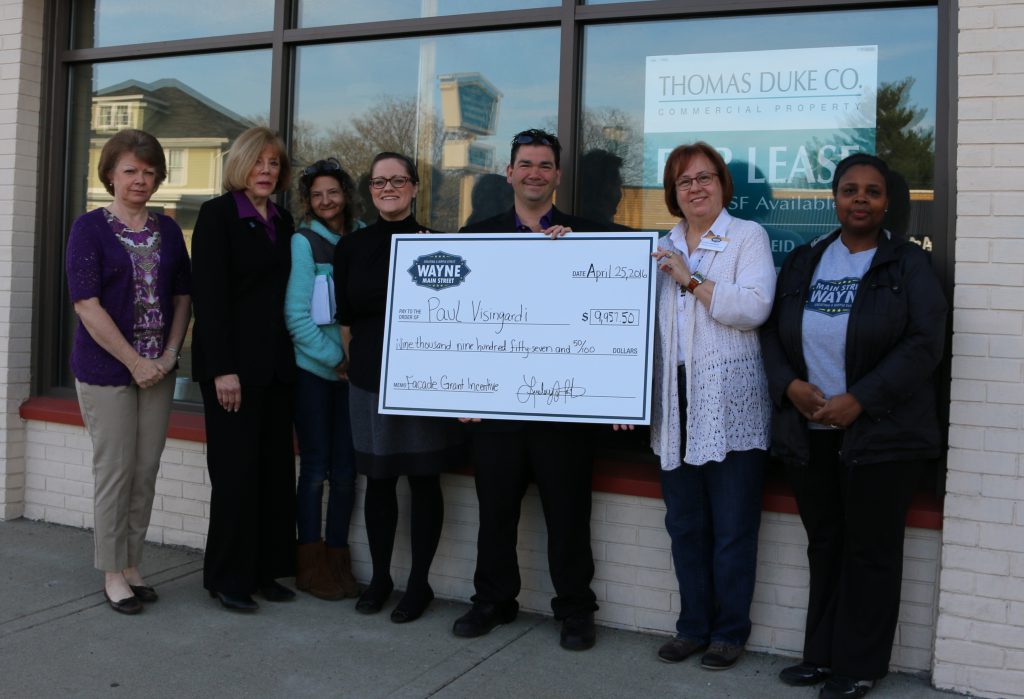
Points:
(507, 455)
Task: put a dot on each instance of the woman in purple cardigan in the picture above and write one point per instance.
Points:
(129, 278)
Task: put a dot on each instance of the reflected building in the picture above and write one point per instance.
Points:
(194, 130)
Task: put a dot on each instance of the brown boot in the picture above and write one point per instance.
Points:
(324, 583)
(310, 558)
(339, 563)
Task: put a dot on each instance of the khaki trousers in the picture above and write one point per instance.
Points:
(128, 426)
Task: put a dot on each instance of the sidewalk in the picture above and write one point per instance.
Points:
(58, 638)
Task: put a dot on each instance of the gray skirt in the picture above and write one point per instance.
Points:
(401, 445)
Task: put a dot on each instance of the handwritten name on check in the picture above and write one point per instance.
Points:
(520, 327)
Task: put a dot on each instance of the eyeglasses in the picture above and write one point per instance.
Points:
(527, 137)
(329, 165)
(398, 181)
(702, 178)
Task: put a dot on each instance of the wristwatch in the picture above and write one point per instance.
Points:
(696, 279)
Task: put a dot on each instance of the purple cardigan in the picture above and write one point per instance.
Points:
(98, 266)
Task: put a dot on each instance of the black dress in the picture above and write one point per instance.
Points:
(386, 445)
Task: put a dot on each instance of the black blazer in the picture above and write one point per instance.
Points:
(238, 283)
(506, 223)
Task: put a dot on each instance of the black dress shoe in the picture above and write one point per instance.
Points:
(482, 617)
(145, 593)
(578, 632)
(236, 603)
(804, 674)
(374, 597)
(412, 605)
(273, 591)
(839, 687)
(679, 649)
(128, 605)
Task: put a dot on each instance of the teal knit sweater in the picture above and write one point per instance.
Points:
(317, 347)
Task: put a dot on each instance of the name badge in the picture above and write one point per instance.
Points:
(715, 243)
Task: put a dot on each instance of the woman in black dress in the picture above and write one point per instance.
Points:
(389, 446)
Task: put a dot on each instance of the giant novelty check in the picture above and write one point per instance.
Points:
(519, 326)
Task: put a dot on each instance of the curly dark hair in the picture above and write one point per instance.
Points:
(330, 167)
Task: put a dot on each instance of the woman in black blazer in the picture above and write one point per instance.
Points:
(243, 359)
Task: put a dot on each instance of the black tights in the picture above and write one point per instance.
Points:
(426, 519)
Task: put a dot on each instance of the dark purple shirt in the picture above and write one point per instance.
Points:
(247, 210)
(98, 266)
(545, 222)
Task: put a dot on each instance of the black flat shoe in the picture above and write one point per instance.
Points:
(236, 603)
(128, 605)
(482, 618)
(374, 598)
(273, 591)
(145, 593)
(839, 687)
(578, 632)
(412, 606)
(804, 674)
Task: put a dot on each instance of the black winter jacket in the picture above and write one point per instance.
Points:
(894, 342)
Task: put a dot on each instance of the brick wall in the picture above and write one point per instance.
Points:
(634, 581)
(21, 31)
(979, 646)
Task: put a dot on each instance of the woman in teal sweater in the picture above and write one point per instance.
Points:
(321, 389)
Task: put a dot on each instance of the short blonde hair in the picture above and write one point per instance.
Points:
(244, 153)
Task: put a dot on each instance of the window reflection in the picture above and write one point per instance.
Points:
(116, 22)
(317, 13)
(453, 103)
(754, 104)
(192, 108)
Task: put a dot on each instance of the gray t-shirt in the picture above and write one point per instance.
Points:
(826, 313)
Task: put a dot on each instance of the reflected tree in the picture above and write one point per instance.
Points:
(907, 147)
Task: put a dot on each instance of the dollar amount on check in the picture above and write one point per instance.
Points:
(519, 326)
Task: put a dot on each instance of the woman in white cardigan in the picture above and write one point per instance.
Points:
(711, 406)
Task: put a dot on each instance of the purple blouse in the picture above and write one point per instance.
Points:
(246, 209)
(99, 265)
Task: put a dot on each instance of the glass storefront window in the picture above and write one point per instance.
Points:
(318, 13)
(452, 103)
(785, 100)
(196, 106)
(117, 22)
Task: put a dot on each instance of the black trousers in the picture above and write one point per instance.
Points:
(855, 517)
(559, 460)
(252, 502)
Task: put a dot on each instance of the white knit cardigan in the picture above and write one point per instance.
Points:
(728, 408)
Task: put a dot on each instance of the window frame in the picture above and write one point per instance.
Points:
(570, 17)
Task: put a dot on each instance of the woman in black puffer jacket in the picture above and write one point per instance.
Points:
(851, 347)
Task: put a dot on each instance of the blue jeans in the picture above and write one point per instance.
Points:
(713, 513)
(325, 453)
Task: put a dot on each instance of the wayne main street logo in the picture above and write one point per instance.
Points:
(438, 270)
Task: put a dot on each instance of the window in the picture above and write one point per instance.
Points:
(452, 103)
(121, 116)
(175, 166)
(313, 13)
(119, 22)
(195, 100)
(784, 99)
(448, 82)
